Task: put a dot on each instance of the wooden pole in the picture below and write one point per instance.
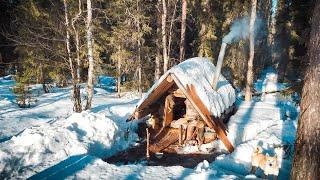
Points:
(148, 138)
(180, 134)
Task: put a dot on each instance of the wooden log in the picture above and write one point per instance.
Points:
(178, 93)
(180, 135)
(157, 93)
(148, 140)
(168, 113)
(209, 137)
(210, 121)
(190, 132)
(165, 139)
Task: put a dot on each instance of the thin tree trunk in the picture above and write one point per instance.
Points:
(90, 55)
(76, 90)
(139, 54)
(251, 55)
(77, 39)
(170, 30)
(183, 29)
(164, 36)
(306, 162)
(119, 73)
(157, 71)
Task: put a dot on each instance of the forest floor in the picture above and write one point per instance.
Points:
(47, 141)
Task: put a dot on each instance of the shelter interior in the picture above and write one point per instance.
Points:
(174, 123)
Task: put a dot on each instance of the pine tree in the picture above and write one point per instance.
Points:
(306, 163)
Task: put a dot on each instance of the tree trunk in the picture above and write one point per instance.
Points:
(157, 71)
(251, 55)
(139, 54)
(183, 29)
(306, 162)
(173, 17)
(164, 36)
(76, 99)
(90, 56)
(77, 39)
(119, 74)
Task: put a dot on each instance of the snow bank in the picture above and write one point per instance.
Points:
(265, 123)
(199, 72)
(39, 147)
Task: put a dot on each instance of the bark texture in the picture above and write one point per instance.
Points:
(76, 99)
(164, 36)
(119, 76)
(306, 162)
(139, 54)
(183, 29)
(90, 55)
(251, 55)
(157, 71)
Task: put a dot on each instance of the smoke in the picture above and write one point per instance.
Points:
(240, 30)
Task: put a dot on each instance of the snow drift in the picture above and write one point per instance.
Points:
(44, 146)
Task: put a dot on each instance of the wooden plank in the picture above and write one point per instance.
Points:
(214, 123)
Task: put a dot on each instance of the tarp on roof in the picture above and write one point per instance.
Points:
(199, 72)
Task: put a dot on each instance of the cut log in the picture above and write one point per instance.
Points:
(212, 122)
(165, 139)
(209, 137)
(178, 93)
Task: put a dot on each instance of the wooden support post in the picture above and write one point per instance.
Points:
(148, 138)
(180, 135)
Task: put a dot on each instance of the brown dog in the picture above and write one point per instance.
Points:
(267, 163)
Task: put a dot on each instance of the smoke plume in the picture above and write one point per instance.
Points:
(240, 30)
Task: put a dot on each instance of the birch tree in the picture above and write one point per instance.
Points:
(76, 88)
(90, 55)
(139, 49)
(183, 29)
(164, 36)
(249, 83)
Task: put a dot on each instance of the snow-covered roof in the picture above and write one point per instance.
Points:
(199, 72)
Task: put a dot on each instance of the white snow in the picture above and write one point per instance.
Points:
(69, 146)
(260, 123)
(199, 72)
(81, 133)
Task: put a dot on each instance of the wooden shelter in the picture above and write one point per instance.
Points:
(183, 108)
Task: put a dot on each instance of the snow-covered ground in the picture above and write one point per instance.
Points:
(55, 144)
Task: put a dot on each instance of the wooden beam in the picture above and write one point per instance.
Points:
(140, 111)
(215, 124)
(157, 92)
